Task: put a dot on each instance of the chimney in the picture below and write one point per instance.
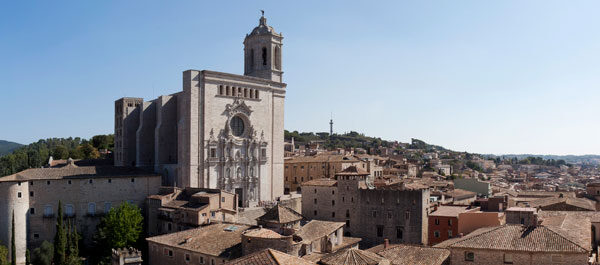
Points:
(386, 243)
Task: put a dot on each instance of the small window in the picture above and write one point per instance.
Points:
(449, 233)
(201, 260)
(212, 214)
(47, 182)
(333, 192)
(67, 182)
(245, 92)
(437, 221)
(332, 214)
(469, 256)
(32, 211)
(91, 181)
(18, 194)
(31, 194)
(333, 203)
(436, 234)
(399, 232)
(450, 222)
(508, 258)
(347, 223)
(36, 236)
(315, 201)
(347, 213)
(31, 183)
(109, 180)
(170, 253)
(263, 152)
(48, 211)
(213, 152)
(407, 215)
(91, 208)
(169, 226)
(222, 199)
(389, 214)
(315, 190)
(132, 180)
(256, 94)
(220, 89)
(187, 257)
(374, 214)
(315, 212)
(69, 210)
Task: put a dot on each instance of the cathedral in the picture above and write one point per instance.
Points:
(221, 131)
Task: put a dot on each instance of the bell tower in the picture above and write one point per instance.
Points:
(262, 52)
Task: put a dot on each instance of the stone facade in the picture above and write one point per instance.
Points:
(397, 213)
(306, 168)
(86, 193)
(223, 131)
(493, 257)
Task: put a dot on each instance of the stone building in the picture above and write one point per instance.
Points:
(223, 131)
(443, 223)
(305, 168)
(87, 192)
(397, 212)
(126, 256)
(516, 244)
(175, 209)
(211, 244)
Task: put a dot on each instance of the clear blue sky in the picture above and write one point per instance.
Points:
(479, 76)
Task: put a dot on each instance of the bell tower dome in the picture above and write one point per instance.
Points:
(262, 52)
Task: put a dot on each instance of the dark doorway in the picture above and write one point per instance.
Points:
(240, 196)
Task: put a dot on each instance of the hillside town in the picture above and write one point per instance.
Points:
(216, 179)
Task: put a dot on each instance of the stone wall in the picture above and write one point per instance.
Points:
(492, 257)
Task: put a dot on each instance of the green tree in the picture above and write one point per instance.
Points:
(43, 255)
(60, 238)
(13, 246)
(60, 152)
(3, 255)
(88, 151)
(27, 257)
(121, 227)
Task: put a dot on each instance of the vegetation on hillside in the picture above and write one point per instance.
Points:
(7, 147)
(36, 155)
(350, 139)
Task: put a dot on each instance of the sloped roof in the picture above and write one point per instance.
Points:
(325, 182)
(576, 202)
(269, 257)
(219, 239)
(516, 238)
(73, 171)
(415, 255)
(280, 215)
(352, 171)
(449, 211)
(353, 256)
(317, 228)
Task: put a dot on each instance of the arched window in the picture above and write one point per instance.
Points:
(239, 173)
(264, 56)
(245, 92)
(220, 89)
(256, 94)
(251, 93)
(91, 208)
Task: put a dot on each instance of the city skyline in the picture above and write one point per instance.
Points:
(483, 78)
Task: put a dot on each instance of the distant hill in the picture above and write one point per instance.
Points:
(7, 147)
(571, 159)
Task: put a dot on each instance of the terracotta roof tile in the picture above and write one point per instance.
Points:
(317, 228)
(281, 215)
(352, 256)
(321, 182)
(414, 255)
(269, 257)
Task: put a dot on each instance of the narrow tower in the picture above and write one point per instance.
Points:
(331, 127)
(262, 52)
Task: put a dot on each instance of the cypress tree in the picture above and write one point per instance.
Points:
(60, 240)
(13, 247)
(74, 242)
(27, 257)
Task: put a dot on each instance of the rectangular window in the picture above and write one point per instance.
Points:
(449, 233)
(69, 210)
(32, 211)
(107, 207)
(450, 222)
(187, 257)
(213, 152)
(91, 181)
(436, 234)
(556, 258)
(469, 256)
(399, 232)
(332, 203)
(380, 231)
(374, 214)
(437, 221)
(508, 258)
(31, 194)
(263, 152)
(48, 212)
(91, 208)
(407, 215)
(347, 223)
(315, 212)
(222, 199)
(389, 214)
(109, 180)
(201, 260)
(36, 236)
(332, 214)
(315, 201)
(19, 194)
(47, 182)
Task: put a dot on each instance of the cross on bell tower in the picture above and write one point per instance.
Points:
(262, 52)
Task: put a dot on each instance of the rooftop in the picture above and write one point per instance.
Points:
(324, 182)
(516, 238)
(449, 211)
(317, 228)
(412, 254)
(72, 171)
(280, 215)
(269, 257)
(352, 256)
(219, 239)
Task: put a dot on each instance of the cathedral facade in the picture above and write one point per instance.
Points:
(222, 131)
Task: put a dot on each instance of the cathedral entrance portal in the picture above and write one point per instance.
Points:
(240, 196)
